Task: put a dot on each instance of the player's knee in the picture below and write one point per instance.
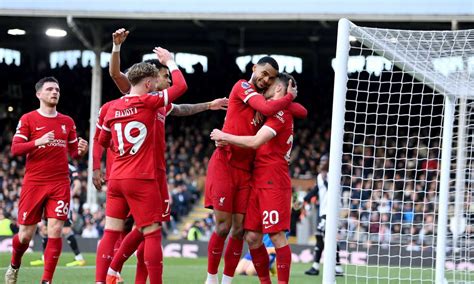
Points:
(24, 237)
(279, 239)
(237, 232)
(223, 229)
(254, 240)
(55, 230)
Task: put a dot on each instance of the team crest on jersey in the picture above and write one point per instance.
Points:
(63, 127)
(221, 201)
(245, 85)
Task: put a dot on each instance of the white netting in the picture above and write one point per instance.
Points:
(391, 161)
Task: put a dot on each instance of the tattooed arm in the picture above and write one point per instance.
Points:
(190, 109)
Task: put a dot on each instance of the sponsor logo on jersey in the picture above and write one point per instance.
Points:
(245, 85)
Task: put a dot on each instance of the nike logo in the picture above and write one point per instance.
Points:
(39, 128)
(165, 215)
(214, 252)
(266, 227)
(237, 254)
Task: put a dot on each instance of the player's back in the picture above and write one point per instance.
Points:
(240, 121)
(272, 158)
(131, 121)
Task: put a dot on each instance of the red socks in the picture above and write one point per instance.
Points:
(18, 249)
(232, 256)
(142, 273)
(261, 263)
(129, 245)
(104, 254)
(154, 257)
(283, 261)
(51, 257)
(214, 253)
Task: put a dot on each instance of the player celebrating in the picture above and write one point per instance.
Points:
(46, 137)
(229, 171)
(320, 190)
(135, 239)
(132, 181)
(269, 206)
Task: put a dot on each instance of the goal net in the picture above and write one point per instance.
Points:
(402, 157)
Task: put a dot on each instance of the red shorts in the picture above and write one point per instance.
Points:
(52, 199)
(227, 187)
(269, 210)
(140, 197)
(165, 197)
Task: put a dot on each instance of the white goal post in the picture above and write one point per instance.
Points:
(401, 172)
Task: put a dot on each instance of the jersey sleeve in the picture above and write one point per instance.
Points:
(169, 95)
(105, 134)
(297, 110)
(21, 143)
(245, 92)
(97, 149)
(275, 123)
(169, 108)
(72, 140)
(23, 129)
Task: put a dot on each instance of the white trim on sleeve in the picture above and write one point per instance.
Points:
(270, 129)
(98, 126)
(72, 141)
(171, 109)
(249, 96)
(21, 136)
(165, 94)
(105, 128)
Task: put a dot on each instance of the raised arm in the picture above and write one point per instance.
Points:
(263, 136)
(179, 83)
(120, 79)
(269, 107)
(297, 110)
(190, 109)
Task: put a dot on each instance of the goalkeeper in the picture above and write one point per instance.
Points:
(320, 191)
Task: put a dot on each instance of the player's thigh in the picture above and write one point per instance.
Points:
(220, 189)
(165, 197)
(275, 206)
(30, 207)
(253, 216)
(57, 202)
(116, 204)
(242, 181)
(143, 198)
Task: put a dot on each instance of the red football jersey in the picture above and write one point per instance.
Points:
(239, 121)
(130, 123)
(160, 136)
(97, 156)
(47, 163)
(272, 158)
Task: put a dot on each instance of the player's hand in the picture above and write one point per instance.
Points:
(82, 147)
(119, 36)
(45, 139)
(292, 89)
(164, 56)
(219, 104)
(217, 135)
(258, 118)
(97, 179)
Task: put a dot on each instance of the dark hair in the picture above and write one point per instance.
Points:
(140, 71)
(41, 82)
(156, 63)
(270, 60)
(285, 79)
